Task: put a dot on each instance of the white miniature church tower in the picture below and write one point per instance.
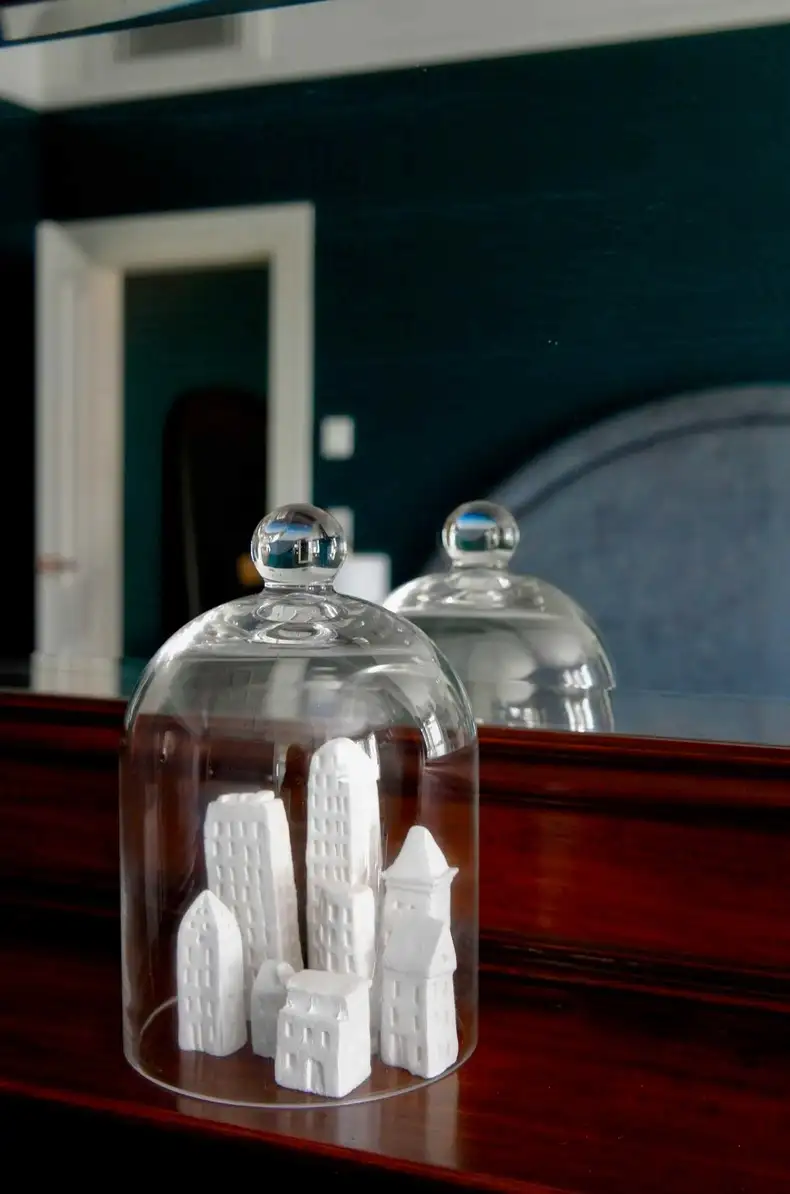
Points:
(250, 868)
(343, 826)
(418, 1028)
(210, 979)
(418, 881)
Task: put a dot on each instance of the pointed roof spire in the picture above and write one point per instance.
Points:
(210, 908)
(420, 859)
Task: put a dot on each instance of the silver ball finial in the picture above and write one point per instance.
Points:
(480, 535)
(298, 546)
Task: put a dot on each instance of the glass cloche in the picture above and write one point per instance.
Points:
(298, 844)
(528, 655)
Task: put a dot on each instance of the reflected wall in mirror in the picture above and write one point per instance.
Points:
(505, 251)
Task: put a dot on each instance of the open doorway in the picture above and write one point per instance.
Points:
(82, 269)
(195, 433)
(213, 486)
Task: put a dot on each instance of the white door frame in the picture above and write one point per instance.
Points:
(80, 270)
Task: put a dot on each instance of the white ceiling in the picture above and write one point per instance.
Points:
(334, 37)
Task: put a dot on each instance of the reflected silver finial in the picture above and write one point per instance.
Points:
(298, 546)
(481, 535)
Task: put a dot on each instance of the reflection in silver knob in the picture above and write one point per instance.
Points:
(298, 546)
(480, 535)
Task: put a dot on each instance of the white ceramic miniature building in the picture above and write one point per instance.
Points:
(210, 979)
(419, 880)
(250, 868)
(323, 1034)
(346, 928)
(343, 825)
(418, 1028)
(268, 997)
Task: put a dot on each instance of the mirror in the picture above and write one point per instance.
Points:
(393, 257)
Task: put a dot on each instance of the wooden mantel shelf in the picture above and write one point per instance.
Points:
(569, 1090)
(635, 986)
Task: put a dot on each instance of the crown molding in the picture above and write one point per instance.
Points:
(336, 37)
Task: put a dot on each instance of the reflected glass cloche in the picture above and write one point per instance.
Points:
(528, 655)
(299, 808)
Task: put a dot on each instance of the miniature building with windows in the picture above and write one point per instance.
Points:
(346, 928)
(323, 1034)
(418, 1028)
(268, 997)
(250, 869)
(343, 826)
(210, 979)
(418, 881)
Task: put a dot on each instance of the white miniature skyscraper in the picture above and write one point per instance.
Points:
(419, 880)
(346, 929)
(210, 979)
(250, 868)
(323, 1034)
(343, 825)
(268, 997)
(418, 1029)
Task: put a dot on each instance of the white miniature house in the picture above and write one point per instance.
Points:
(418, 1026)
(210, 970)
(346, 928)
(323, 1034)
(266, 1002)
(250, 869)
(347, 935)
(275, 752)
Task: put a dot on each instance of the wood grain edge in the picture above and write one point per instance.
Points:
(351, 1167)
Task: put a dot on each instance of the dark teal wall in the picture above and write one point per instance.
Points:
(505, 249)
(184, 331)
(18, 214)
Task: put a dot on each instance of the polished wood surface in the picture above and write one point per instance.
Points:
(634, 1033)
(642, 861)
(570, 1089)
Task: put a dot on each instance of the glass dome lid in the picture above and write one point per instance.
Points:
(349, 663)
(528, 654)
(299, 839)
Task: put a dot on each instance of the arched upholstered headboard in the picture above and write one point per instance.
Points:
(671, 525)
